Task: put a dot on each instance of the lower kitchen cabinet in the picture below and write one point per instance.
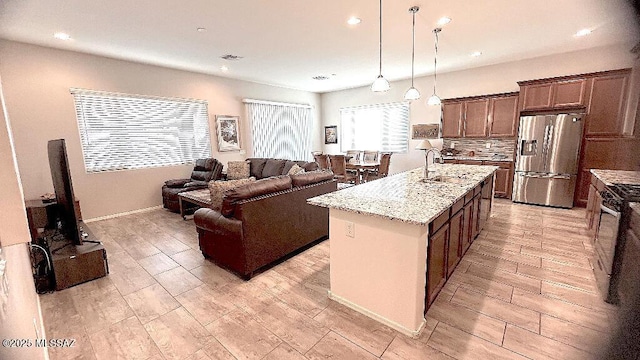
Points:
(437, 262)
(504, 175)
(455, 241)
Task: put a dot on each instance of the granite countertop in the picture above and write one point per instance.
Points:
(477, 158)
(610, 177)
(404, 196)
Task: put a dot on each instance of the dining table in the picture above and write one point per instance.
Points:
(360, 166)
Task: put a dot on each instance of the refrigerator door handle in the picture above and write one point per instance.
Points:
(548, 131)
(563, 177)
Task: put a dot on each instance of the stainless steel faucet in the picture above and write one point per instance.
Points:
(426, 160)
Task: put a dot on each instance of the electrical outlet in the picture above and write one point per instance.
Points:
(488, 145)
(350, 229)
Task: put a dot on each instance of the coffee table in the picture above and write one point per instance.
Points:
(192, 200)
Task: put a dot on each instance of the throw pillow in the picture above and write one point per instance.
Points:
(295, 169)
(273, 167)
(238, 170)
(217, 189)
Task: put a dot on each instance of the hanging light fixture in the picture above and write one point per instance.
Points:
(380, 84)
(435, 99)
(413, 93)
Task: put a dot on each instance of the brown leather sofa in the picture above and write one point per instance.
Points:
(204, 171)
(264, 221)
(262, 168)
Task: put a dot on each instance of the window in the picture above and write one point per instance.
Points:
(280, 130)
(120, 131)
(382, 127)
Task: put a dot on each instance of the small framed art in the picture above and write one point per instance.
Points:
(331, 134)
(228, 132)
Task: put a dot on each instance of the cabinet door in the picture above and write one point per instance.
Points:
(570, 93)
(476, 114)
(455, 241)
(466, 230)
(536, 97)
(504, 178)
(503, 117)
(475, 218)
(591, 207)
(437, 262)
(605, 115)
(452, 119)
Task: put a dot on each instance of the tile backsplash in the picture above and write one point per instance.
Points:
(504, 147)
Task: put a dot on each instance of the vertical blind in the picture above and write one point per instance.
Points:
(280, 130)
(121, 131)
(382, 127)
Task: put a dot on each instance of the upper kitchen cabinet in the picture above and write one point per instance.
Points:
(476, 115)
(605, 115)
(503, 116)
(553, 94)
(480, 116)
(452, 119)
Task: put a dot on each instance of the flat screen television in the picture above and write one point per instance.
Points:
(61, 176)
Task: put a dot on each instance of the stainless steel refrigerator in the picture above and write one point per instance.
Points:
(547, 159)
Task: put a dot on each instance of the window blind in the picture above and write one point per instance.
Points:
(382, 127)
(280, 130)
(121, 131)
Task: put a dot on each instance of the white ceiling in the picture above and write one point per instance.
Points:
(287, 42)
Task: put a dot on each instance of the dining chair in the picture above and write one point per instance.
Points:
(370, 156)
(383, 168)
(354, 154)
(339, 167)
(322, 160)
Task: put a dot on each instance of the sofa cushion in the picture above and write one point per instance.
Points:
(238, 170)
(257, 188)
(202, 169)
(273, 167)
(196, 183)
(312, 177)
(256, 165)
(295, 169)
(310, 166)
(217, 189)
(287, 166)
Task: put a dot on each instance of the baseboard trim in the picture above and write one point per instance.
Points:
(122, 214)
(390, 323)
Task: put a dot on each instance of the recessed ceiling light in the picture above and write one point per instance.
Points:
(224, 68)
(354, 20)
(61, 36)
(201, 29)
(444, 20)
(476, 53)
(231, 57)
(583, 32)
(320, 77)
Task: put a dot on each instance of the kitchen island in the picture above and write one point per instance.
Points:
(394, 241)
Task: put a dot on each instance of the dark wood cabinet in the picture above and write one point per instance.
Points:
(504, 178)
(605, 115)
(480, 116)
(569, 93)
(452, 119)
(437, 262)
(476, 115)
(455, 241)
(475, 217)
(536, 97)
(503, 116)
(467, 223)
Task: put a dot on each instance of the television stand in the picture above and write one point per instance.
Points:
(76, 264)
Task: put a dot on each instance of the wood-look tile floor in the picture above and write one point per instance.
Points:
(523, 290)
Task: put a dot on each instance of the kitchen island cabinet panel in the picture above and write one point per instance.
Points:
(437, 263)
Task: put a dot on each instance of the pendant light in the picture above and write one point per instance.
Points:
(380, 84)
(435, 99)
(413, 93)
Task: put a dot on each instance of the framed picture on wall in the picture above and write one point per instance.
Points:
(424, 131)
(331, 134)
(228, 131)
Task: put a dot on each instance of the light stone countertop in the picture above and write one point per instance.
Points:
(404, 196)
(477, 158)
(610, 177)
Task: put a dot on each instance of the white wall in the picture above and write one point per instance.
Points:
(479, 81)
(37, 81)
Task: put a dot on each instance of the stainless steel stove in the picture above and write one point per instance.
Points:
(610, 237)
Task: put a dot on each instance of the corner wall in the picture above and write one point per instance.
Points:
(485, 80)
(37, 82)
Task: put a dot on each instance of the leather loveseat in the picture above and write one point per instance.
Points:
(261, 168)
(264, 221)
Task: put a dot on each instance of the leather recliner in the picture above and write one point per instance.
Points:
(204, 171)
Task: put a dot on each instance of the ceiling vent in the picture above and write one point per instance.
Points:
(231, 57)
(320, 77)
